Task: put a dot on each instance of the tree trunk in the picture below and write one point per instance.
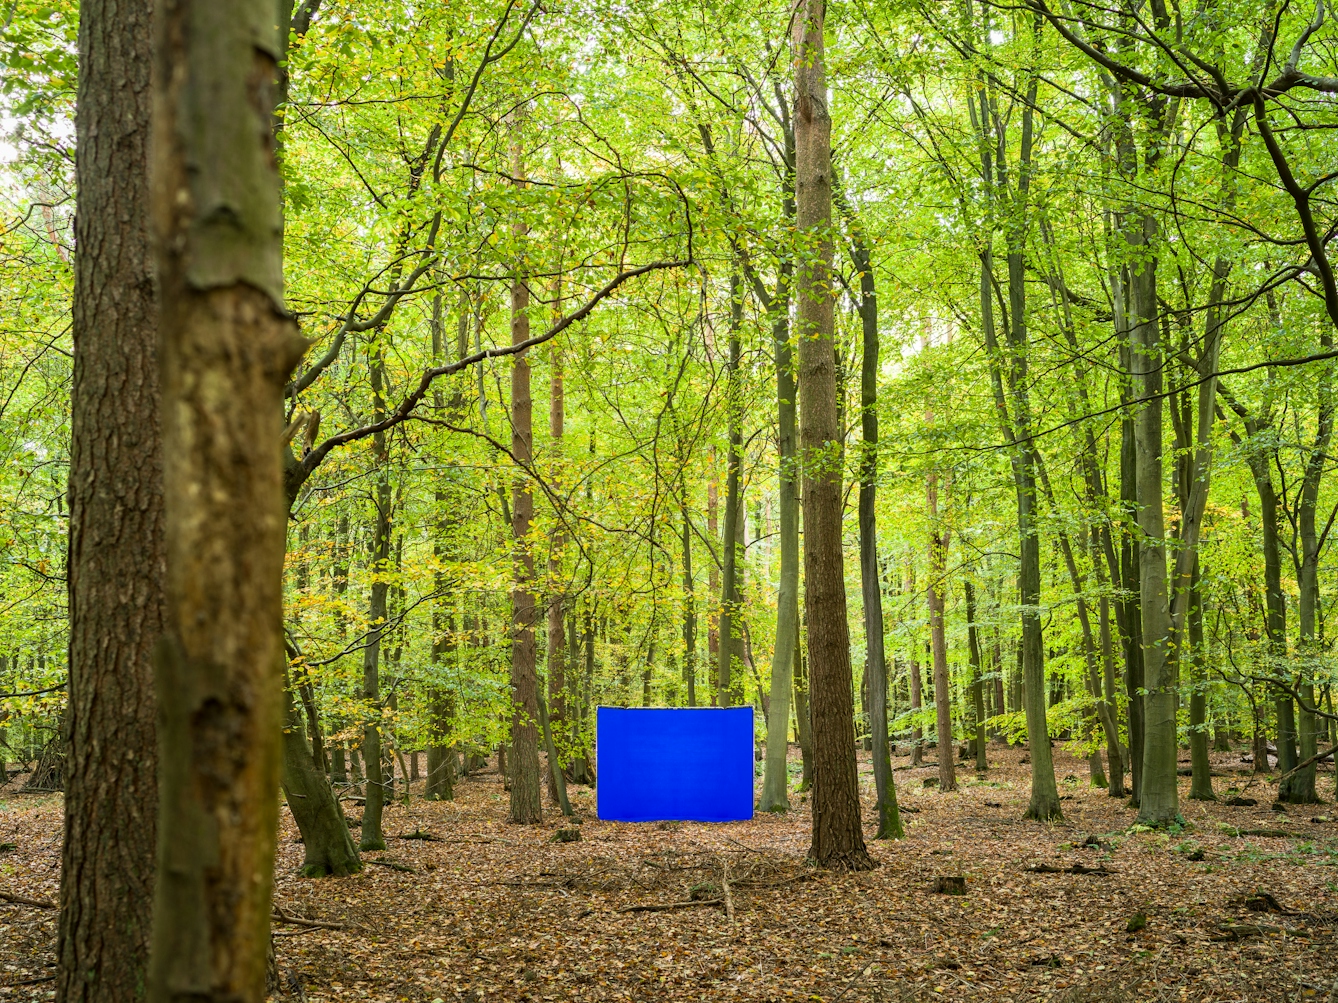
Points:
(889, 816)
(372, 837)
(689, 613)
(775, 781)
(1159, 798)
(938, 549)
(837, 838)
(917, 704)
(525, 801)
(803, 725)
(1201, 785)
(1114, 753)
(1133, 616)
(556, 648)
(729, 588)
(227, 347)
(116, 546)
(328, 847)
(977, 672)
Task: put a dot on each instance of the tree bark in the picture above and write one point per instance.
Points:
(837, 838)
(729, 588)
(889, 816)
(227, 347)
(938, 642)
(775, 781)
(977, 673)
(556, 648)
(116, 547)
(372, 837)
(525, 801)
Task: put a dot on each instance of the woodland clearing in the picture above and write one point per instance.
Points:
(494, 911)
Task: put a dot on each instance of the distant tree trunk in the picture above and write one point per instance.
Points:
(775, 781)
(689, 613)
(556, 648)
(227, 347)
(1133, 616)
(729, 588)
(713, 577)
(917, 704)
(116, 547)
(1114, 753)
(525, 801)
(889, 817)
(372, 837)
(1201, 786)
(938, 548)
(837, 838)
(977, 674)
(802, 722)
(339, 764)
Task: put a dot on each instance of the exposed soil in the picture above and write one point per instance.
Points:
(491, 911)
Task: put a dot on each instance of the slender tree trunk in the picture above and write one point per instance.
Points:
(977, 672)
(1201, 785)
(116, 546)
(938, 642)
(555, 651)
(802, 722)
(372, 837)
(889, 817)
(713, 577)
(729, 588)
(917, 704)
(226, 347)
(1133, 616)
(525, 801)
(689, 614)
(1114, 752)
(775, 781)
(837, 838)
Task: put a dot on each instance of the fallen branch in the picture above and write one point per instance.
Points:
(394, 866)
(279, 916)
(1276, 833)
(1318, 757)
(661, 907)
(24, 900)
(1075, 869)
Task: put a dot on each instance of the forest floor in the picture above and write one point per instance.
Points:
(484, 910)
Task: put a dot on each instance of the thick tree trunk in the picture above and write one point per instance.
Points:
(837, 838)
(227, 347)
(116, 547)
(1159, 797)
(327, 844)
(525, 801)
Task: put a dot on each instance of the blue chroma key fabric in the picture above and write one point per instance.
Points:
(674, 764)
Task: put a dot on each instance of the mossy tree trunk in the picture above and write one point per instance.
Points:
(226, 347)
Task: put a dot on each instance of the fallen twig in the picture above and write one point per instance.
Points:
(1075, 869)
(24, 900)
(394, 866)
(662, 906)
(279, 916)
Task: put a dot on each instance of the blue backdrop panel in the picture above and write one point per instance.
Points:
(682, 764)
